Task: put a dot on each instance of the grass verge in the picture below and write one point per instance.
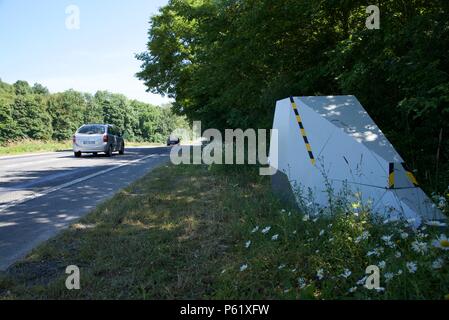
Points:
(143, 144)
(193, 232)
(36, 146)
(33, 146)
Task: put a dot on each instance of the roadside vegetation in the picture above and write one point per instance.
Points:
(35, 146)
(187, 232)
(32, 113)
(32, 146)
(228, 62)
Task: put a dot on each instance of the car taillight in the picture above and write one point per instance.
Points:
(105, 138)
(74, 139)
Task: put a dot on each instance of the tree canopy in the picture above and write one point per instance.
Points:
(226, 62)
(34, 113)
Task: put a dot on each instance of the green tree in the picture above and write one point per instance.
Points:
(93, 112)
(31, 116)
(22, 88)
(67, 111)
(39, 89)
(227, 62)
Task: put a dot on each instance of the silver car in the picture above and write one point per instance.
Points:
(95, 138)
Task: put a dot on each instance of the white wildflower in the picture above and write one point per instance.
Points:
(381, 264)
(306, 218)
(422, 235)
(346, 273)
(399, 272)
(419, 247)
(266, 230)
(362, 281)
(388, 241)
(255, 229)
(375, 252)
(371, 253)
(404, 235)
(320, 274)
(398, 254)
(247, 244)
(352, 290)
(411, 266)
(302, 283)
(321, 232)
(438, 263)
(282, 266)
(275, 237)
(364, 236)
(442, 242)
(243, 267)
(388, 276)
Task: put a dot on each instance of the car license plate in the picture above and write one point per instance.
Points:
(89, 142)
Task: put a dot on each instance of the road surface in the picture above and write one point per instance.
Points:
(43, 194)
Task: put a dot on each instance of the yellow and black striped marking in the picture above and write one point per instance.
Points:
(303, 131)
(410, 175)
(391, 175)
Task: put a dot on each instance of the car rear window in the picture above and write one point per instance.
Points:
(92, 130)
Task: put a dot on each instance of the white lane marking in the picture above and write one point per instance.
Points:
(36, 195)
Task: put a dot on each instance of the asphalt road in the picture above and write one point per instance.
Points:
(43, 194)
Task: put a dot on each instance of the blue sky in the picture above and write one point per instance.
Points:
(36, 45)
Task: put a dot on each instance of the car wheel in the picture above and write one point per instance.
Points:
(95, 154)
(77, 154)
(109, 152)
(122, 149)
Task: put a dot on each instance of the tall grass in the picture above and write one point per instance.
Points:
(197, 232)
(31, 146)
